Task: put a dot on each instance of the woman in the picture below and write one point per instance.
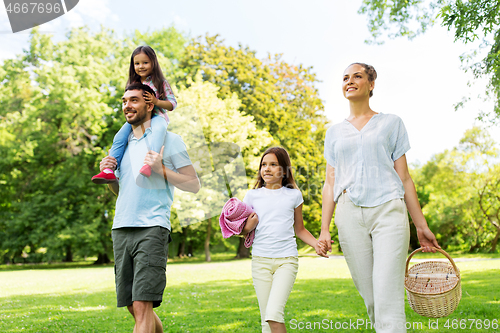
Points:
(367, 180)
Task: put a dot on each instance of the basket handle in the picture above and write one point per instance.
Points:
(443, 252)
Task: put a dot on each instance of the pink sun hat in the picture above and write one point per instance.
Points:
(233, 218)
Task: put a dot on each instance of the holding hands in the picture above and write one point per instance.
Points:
(323, 246)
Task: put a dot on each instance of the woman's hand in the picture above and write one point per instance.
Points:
(322, 248)
(427, 239)
(325, 238)
(150, 98)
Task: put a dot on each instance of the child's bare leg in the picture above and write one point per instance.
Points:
(276, 327)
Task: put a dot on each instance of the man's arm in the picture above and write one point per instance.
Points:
(185, 179)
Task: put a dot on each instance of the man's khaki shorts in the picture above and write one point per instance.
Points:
(140, 264)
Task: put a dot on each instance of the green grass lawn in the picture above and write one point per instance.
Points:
(219, 297)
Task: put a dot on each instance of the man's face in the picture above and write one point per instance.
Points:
(135, 109)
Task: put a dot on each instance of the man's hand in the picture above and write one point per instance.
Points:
(108, 162)
(155, 160)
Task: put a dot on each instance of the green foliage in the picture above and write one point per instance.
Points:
(283, 100)
(470, 20)
(461, 193)
(470, 17)
(204, 120)
(57, 97)
(407, 18)
(60, 108)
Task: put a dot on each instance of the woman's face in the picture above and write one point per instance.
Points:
(355, 84)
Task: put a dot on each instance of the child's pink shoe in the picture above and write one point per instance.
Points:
(145, 171)
(106, 176)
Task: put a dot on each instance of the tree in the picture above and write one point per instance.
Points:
(471, 20)
(211, 128)
(489, 202)
(283, 100)
(462, 184)
(57, 95)
(60, 108)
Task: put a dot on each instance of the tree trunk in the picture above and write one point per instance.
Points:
(242, 251)
(69, 254)
(181, 251)
(495, 241)
(207, 240)
(414, 244)
(102, 259)
(475, 247)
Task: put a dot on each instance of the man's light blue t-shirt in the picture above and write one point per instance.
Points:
(146, 202)
(364, 160)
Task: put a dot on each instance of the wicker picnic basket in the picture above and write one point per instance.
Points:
(433, 287)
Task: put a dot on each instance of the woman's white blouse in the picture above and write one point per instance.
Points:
(364, 160)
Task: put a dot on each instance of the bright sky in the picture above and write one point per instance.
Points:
(418, 80)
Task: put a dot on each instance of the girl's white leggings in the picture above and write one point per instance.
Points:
(273, 280)
(375, 242)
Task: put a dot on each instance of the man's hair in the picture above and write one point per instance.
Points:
(140, 86)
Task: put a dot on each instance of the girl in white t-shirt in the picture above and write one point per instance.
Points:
(277, 218)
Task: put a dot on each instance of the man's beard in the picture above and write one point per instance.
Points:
(139, 117)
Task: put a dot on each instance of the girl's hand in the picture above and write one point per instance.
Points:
(250, 224)
(322, 248)
(150, 98)
(427, 239)
(252, 221)
(155, 160)
(326, 238)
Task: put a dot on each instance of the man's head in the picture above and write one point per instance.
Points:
(135, 108)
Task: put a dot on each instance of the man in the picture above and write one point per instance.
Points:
(141, 227)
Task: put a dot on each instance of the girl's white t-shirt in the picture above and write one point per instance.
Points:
(275, 233)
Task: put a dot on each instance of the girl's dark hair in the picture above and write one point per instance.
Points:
(156, 74)
(285, 164)
(369, 70)
(139, 86)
